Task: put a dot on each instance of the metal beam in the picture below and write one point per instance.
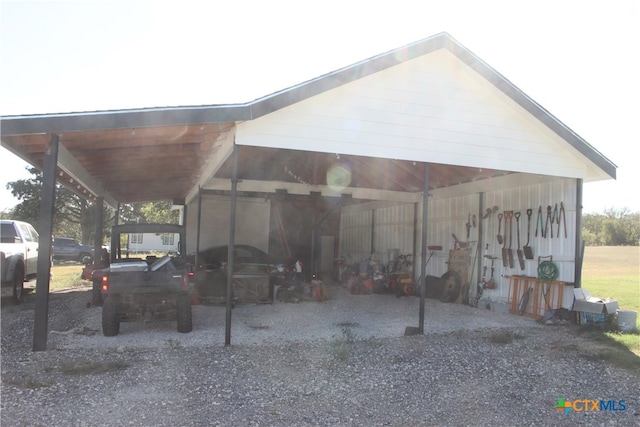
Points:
(224, 149)
(198, 225)
(323, 190)
(97, 244)
(70, 165)
(47, 202)
(479, 256)
(579, 254)
(423, 267)
(232, 242)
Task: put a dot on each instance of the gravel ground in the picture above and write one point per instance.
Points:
(342, 362)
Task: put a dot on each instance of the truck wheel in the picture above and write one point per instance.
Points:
(96, 293)
(183, 304)
(85, 259)
(18, 285)
(110, 319)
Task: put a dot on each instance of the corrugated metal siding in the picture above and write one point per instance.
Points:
(560, 248)
(355, 236)
(448, 216)
(394, 229)
(252, 222)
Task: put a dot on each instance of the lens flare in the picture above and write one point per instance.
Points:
(338, 177)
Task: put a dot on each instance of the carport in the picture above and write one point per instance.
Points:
(406, 146)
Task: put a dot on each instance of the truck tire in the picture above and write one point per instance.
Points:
(96, 293)
(452, 285)
(183, 305)
(85, 259)
(18, 284)
(110, 319)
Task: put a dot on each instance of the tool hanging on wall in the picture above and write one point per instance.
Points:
(505, 251)
(500, 240)
(548, 226)
(528, 252)
(564, 220)
(456, 242)
(468, 225)
(519, 251)
(509, 218)
(539, 223)
(491, 283)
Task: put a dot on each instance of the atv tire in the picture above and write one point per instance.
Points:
(96, 293)
(185, 323)
(452, 286)
(110, 319)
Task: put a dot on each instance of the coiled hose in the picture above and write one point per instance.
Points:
(547, 273)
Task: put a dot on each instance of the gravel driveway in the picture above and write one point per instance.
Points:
(342, 362)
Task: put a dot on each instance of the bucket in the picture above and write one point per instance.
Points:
(627, 320)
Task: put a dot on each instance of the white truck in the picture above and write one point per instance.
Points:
(18, 256)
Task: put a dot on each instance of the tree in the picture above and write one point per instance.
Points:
(160, 212)
(29, 191)
(151, 212)
(614, 227)
(73, 216)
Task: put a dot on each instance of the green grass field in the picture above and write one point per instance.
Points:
(67, 275)
(614, 272)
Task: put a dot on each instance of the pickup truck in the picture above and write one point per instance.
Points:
(153, 283)
(18, 256)
(66, 249)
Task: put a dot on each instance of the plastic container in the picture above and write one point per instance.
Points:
(627, 320)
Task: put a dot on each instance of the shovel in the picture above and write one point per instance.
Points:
(519, 251)
(505, 251)
(528, 252)
(499, 226)
(509, 218)
(491, 284)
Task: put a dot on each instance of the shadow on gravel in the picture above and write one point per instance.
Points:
(594, 344)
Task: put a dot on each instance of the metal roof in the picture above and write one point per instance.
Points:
(159, 153)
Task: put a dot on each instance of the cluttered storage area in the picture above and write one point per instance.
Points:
(510, 250)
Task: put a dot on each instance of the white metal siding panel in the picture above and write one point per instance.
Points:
(252, 222)
(355, 236)
(393, 230)
(447, 216)
(433, 108)
(561, 248)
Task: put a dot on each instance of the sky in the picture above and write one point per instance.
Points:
(580, 60)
